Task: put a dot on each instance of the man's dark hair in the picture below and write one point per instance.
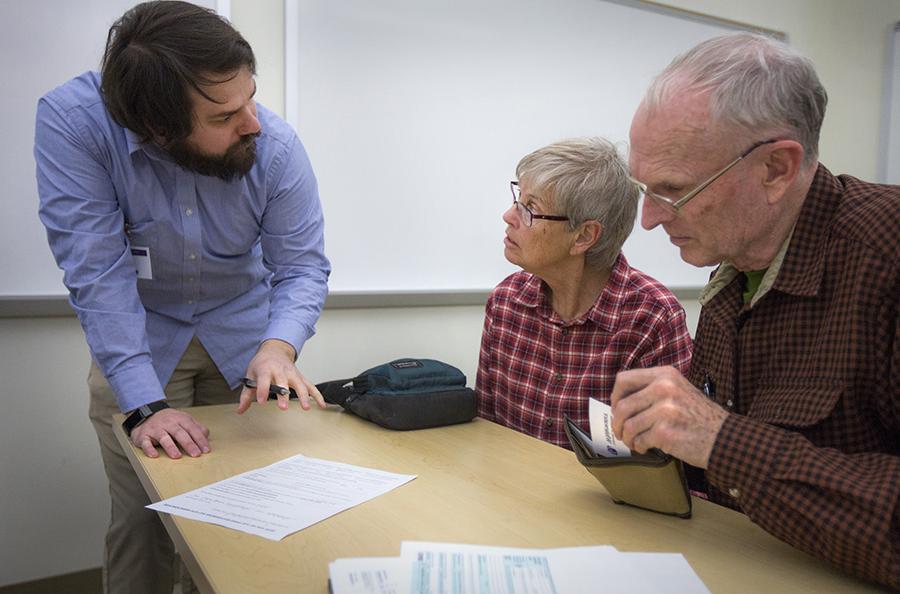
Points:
(155, 54)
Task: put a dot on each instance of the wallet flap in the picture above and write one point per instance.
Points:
(660, 489)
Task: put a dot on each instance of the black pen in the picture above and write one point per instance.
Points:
(709, 386)
(274, 389)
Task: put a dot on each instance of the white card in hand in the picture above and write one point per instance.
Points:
(605, 443)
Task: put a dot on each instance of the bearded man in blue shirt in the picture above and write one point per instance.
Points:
(187, 222)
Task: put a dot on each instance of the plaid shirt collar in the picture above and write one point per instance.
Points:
(605, 312)
(798, 267)
(727, 273)
(804, 264)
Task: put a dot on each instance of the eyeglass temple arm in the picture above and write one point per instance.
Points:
(681, 201)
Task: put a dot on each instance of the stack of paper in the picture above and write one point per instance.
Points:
(432, 568)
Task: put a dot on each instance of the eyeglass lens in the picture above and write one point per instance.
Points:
(524, 212)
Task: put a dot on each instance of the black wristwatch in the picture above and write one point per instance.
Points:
(141, 414)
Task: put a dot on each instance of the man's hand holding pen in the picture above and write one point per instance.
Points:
(273, 367)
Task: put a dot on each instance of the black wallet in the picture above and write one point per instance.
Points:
(654, 481)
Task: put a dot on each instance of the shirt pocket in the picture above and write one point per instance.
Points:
(796, 404)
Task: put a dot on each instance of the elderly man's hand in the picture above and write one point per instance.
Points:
(659, 408)
(274, 364)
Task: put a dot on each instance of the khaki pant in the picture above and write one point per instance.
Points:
(139, 555)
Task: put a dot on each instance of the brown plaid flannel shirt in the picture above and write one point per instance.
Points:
(811, 375)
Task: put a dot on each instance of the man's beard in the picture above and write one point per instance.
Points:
(236, 162)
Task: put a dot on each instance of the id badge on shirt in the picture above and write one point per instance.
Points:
(141, 257)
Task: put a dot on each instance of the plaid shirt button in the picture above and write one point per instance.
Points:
(729, 403)
(548, 422)
(734, 492)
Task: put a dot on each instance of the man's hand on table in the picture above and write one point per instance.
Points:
(171, 429)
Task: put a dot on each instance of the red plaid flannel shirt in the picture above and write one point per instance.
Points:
(811, 374)
(534, 368)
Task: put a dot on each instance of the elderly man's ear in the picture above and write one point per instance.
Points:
(589, 233)
(783, 164)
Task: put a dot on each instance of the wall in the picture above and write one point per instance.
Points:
(53, 489)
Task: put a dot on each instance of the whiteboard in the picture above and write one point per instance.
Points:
(890, 166)
(415, 114)
(43, 44)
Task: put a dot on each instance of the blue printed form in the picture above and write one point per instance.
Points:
(480, 571)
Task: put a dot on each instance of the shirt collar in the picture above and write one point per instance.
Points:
(135, 144)
(727, 273)
(804, 263)
(133, 140)
(604, 313)
(798, 267)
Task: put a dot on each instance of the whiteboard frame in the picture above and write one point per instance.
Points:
(888, 112)
(41, 306)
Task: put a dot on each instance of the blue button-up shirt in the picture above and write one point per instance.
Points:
(234, 263)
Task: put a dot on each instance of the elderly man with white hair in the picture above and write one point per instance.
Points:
(791, 409)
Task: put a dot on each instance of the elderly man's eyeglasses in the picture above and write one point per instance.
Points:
(525, 213)
(676, 205)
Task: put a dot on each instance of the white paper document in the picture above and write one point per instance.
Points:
(605, 443)
(366, 575)
(438, 568)
(585, 569)
(284, 497)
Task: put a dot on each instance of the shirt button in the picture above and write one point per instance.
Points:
(735, 493)
(189, 212)
(558, 377)
(193, 256)
(548, 422)
(190, 279)
(729, 403)
(190, 301)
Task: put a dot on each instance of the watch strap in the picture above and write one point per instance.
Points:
(141, 414)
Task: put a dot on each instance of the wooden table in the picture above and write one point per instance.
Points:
(477, 483)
